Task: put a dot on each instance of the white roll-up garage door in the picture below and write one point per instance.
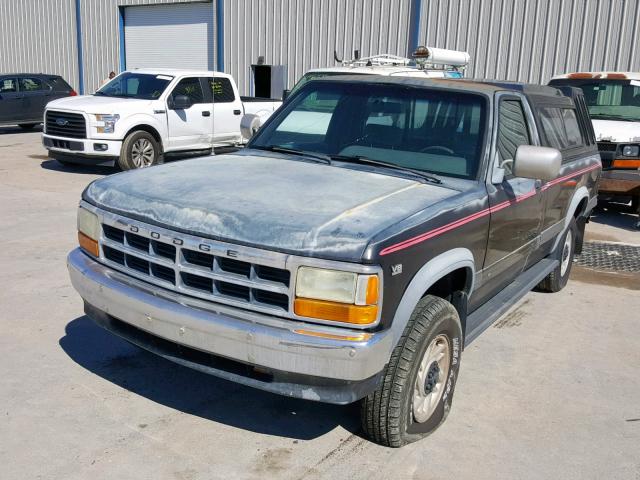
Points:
(169, 36)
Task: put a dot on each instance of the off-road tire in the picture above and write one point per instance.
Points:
(27, 126)
(557, 279)
(387, 413)
(126, 159)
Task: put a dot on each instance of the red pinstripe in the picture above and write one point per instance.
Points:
(482, 213)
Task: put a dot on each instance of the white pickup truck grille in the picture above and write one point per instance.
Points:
(187, 265)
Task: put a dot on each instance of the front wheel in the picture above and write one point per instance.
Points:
(558, 278)
(415, 394)
(139, 150)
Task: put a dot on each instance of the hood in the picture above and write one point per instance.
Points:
(616, 131)
(94, 104)
(293, 206)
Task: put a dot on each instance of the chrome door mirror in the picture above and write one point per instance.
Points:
(249, 125)
(538, 163)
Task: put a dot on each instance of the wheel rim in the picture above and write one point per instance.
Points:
(432, 378)
(142, 153)
(566, 253)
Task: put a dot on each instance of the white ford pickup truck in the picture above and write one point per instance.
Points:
(141, 115)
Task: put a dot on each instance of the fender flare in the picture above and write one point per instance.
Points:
(430, 273)
(579, 195)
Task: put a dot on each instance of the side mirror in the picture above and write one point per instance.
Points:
(249, 125)
(285, 94)
(538, 163)
(181, 102)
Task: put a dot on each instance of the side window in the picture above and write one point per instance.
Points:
(29, 84)
(561, 128)
(191, 88)
(512, 132)
(222, 90)
(8, 85)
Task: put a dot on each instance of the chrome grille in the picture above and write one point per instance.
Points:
(194, 266)
(65, 124)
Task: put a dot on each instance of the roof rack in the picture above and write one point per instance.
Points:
(423, 58)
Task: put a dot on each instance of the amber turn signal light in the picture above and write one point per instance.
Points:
(356, 337)
(372, 290)
(334, 311)
(625, 163)
(89, 245)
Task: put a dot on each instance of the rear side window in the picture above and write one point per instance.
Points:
(561, 128)
(59, 84)
(222, 90)
(191, 88)
(8, 85)
(30, 84)
(512, 132)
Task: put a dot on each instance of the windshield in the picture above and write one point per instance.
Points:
(136, 85)
(609, 99)
(428, 130)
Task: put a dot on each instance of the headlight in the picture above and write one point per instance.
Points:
(336, 295)
(631, 151)
(88, 231)
(106, 123)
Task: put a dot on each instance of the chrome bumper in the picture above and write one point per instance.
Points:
(299, 365)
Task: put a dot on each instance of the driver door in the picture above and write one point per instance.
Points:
(517, 204)
(189, 128)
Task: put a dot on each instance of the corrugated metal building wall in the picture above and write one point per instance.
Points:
(532, 40)
(527, 40)
(28, 43)
(304, 33)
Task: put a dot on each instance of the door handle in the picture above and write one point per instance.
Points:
(206, 114)
(237, 112)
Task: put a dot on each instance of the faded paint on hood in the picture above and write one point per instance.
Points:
(616, 131)
(266, 201)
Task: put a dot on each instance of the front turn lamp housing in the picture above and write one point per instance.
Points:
(336, 295)
(88, 231)
(106, 123)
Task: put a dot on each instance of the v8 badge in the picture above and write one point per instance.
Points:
(396, 269)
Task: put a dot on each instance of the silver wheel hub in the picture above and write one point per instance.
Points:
(566, 253)
(142, 153)
(431, 379)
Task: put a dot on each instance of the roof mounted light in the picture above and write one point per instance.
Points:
(440, 56)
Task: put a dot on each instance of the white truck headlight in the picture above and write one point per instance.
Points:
(88, 231)
(106, 123)
(336, 295)
(631, 151)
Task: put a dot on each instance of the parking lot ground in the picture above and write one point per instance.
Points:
(551, 391)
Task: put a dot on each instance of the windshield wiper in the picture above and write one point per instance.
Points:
(102, 94)
(292, 151)
(378, 163)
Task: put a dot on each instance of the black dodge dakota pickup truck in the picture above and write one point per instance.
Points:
(372, 228)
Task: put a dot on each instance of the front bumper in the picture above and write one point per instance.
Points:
(93, 147)
(620, 182)
(254, 349)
